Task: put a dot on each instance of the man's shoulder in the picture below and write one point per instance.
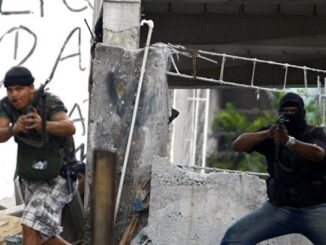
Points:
(5, 107)
(4, 100)
(52, 97)
(54, 103)
(316, 131)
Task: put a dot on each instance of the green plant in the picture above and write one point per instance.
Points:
(232, 123)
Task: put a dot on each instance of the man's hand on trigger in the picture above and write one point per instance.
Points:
(281, 135)
(19, 126)
(33, 120)
(271, 131)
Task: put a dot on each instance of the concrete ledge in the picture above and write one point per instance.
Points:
(187, 208)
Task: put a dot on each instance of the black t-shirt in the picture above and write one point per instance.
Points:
(287, 166)
(294, 181)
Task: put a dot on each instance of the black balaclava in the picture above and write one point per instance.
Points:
(295, 123)
(18, 75)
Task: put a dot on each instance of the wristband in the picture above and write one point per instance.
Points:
(11, 129)
(290, 142)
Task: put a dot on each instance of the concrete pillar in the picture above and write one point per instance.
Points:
(97, 10)
(113, 83)
(115, 79)
(121, 20)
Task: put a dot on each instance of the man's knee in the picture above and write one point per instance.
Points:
(228, 238)
(30, 236)
(234, 236)
(28, 231)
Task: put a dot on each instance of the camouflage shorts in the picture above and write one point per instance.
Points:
(44, 201)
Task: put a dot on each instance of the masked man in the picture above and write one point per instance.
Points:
(295, 155)
(43, 133)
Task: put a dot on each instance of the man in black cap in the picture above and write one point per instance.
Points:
(295, 155)
(43, 133)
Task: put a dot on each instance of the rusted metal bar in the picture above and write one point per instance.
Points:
(103, 197)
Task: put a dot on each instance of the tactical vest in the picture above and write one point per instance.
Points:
(294, 181)
(40, 156)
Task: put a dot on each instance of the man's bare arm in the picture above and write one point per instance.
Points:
(246, 141)
(311, 152)
(60, 125)
(5, 129)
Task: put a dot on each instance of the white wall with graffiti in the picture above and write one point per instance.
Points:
(33, 33)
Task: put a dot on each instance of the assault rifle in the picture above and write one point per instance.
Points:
(38, 95)
(34, 138)
(280, 122)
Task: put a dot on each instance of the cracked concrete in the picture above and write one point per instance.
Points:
(187, 208)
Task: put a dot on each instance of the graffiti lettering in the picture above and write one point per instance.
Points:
(81, 148)
(21, 12)
(17, 30)
(80, 117)
(77, 10)
(74, 54)
(13, 12)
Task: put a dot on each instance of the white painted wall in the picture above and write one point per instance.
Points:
(24, 24)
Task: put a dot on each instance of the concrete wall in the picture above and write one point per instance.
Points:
(115, 76)
(191, 209)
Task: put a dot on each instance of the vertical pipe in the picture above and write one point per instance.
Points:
(172, 135)
(285, 76)
(191, 128)
(222, 68)
(253, 73)
(194, 138)
(305, 77)
(134, 114)
(103, 197)
(318, 101)
(204, 151)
